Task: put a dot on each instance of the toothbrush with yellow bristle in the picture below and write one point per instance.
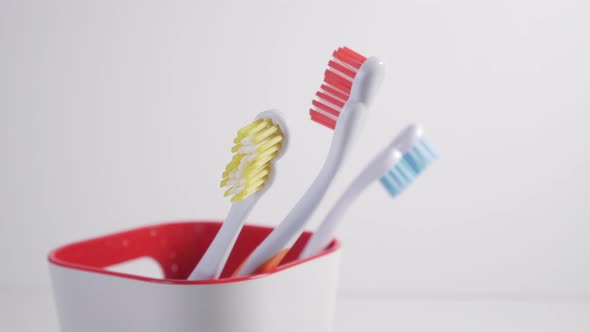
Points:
(247, 176)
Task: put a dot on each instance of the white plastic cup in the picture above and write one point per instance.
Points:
(298, 296)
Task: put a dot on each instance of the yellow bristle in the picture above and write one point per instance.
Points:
(255, 177)
(227, 192)
(247, 128)
(262, 138)
(250, 190)
(236, 147)
(256, 185)
(234, 163)
(258, 163)
(270, 150)
(251, 131)
(265, 133)
(264, 158)
(269, 142)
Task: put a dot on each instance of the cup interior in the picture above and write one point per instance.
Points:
(176, 247)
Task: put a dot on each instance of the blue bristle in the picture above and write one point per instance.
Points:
(409, 167)
(404, 169)
(398, 180)
(387, 184)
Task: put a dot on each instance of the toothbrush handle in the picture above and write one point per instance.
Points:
(320, 239)
(211, 264)
(291, 227)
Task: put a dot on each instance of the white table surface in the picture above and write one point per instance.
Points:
(33, 310)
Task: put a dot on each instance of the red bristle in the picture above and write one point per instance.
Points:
(337, 86)
(342, 69)
(326, 108)
(334, 92)
(322, 119)
(354, 54)
(345, 51)
(337, 81)
(330, 99)
(348, 58)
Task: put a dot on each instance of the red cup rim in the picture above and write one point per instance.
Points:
(54, 259)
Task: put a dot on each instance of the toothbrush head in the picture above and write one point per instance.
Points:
(256, 147)
(417, 155)
(349, 76)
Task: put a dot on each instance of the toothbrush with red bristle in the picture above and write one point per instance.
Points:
(349, 86)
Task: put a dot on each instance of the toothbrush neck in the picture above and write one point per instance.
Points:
(347, 127)
(350, 122)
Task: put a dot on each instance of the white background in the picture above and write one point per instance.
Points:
(115, 114)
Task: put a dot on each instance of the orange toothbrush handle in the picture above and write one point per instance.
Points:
(267, 266)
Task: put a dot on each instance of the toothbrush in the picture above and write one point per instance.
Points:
(350, 83)
(397, 166)
(247, 176)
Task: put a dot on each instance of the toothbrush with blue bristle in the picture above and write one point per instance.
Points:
(397, 166)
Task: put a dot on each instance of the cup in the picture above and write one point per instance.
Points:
(299, 295)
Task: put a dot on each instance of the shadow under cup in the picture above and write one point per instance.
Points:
(299, 295)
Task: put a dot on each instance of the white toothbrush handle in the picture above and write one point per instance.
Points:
(211, 264)
(291, 227)
(373, 171)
